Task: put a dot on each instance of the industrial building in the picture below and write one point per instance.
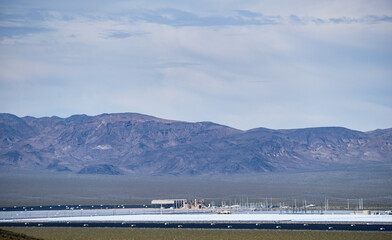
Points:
(179, 203)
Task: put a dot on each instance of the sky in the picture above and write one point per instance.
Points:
(242, 63)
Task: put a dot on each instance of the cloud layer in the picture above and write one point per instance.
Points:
(243, 64)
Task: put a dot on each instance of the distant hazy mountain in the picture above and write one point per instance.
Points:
(131, 143)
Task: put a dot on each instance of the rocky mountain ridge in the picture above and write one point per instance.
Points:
(131, 143)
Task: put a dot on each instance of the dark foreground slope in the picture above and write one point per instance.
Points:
(10, 235)
(132, 143)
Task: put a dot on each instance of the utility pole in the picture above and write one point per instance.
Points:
(326, 204)
(295, 206)
(280, 207)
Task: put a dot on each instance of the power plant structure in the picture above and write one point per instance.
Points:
(179, 203)
(293, 206)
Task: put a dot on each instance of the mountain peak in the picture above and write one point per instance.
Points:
(132, 143)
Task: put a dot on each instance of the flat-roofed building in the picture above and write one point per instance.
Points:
(167, 203)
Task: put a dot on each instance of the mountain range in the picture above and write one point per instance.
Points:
(131, 143)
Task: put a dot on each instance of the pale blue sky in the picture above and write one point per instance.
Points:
(246, 64)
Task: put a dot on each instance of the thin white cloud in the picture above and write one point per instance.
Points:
(243, 64)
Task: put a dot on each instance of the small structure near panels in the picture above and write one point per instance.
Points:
(179, 203)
